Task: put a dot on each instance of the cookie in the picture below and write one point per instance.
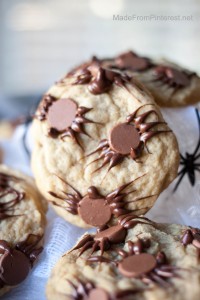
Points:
(170, 84)
(136, 259)
(101, 147)
(22, 221)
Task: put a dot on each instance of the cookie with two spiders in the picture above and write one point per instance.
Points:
(170, 84)
(135, 259)
(22, 223)
(101, 147)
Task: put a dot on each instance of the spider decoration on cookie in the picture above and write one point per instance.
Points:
(16, 262)
(172, 77)
(131, 61)
(94, 208)
(5, 190)
(191, 236)
(43, 108)
(99, 79)
(136, 263)
(190, 163)
(64, 117)
(106, 237)
(88, 291)
(127, 139)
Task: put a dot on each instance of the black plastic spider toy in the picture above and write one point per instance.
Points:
(189, 163)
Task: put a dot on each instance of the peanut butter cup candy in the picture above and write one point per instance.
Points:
(22, 222)
(101, 146)
(170, 84)
(135, 259)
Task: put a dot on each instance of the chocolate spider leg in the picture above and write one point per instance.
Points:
(71, 201)
(174, 90)
(122, 253)
(87, 246)
(103, 245)
(122, 84)
(113, 161)
(78, 128)
(126, 218)
(141, 117)
(144, 127)
(66, 183)
(82, 242)
(75, 293)
(72, 134)
(123, 187)
(103, 155)
(105, 162)
(131, 117)
(102, 144)
(100, 259)
(149, 134)
(55, 195)
(133, 223)
(95, 246)
(159, 280)
(71, 210)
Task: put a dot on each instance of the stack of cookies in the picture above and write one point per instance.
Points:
(102, 156)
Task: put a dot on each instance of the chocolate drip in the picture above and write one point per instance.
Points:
(99, 79)
(126, 139)
(42, 111)
(191, 236)
(172, 77)
(130, 220)
(5, 190)
(71, 199)
(16, 262)
(94, 208)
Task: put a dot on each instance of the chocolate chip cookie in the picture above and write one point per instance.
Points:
(170, 84)
(22, 221)
(102, 147)
(135, 259)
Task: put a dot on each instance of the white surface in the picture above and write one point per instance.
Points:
(181, 207)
